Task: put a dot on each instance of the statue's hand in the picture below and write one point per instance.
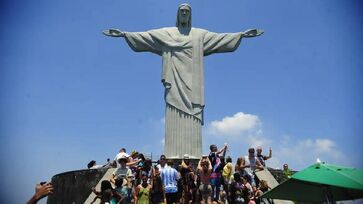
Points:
(252, 33)
(114, 33)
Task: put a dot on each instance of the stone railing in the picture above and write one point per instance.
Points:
(74, 187)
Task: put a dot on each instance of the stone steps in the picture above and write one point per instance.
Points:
(107, 176)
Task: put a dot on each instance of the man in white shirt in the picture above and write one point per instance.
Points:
(162, 163)
(252, 164)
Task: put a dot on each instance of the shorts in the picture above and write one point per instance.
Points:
(215, 179)
(205, 190)
(171, 197)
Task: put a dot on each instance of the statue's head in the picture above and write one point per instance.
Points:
(184, 16)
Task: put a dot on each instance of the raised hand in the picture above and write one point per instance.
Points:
(252, 33)
(113, 33)
(41, 190)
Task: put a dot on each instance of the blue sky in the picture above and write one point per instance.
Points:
(69, 94)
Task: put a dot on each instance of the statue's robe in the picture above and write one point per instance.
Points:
(183, 79)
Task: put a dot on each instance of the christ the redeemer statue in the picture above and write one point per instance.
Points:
(182, 49)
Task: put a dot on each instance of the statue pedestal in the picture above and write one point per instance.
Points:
(194, 162)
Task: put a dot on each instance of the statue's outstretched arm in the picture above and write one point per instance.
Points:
(252, 33)
(113, 33)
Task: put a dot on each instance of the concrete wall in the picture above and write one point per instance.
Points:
(75, 186)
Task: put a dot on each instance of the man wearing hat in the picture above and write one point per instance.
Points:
(121, 153)
(121, 172)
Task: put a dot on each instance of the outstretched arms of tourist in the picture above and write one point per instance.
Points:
(113, 32)
(133, 163)
(203, 161)
(199, 167)
(269, 155)
(224, 148)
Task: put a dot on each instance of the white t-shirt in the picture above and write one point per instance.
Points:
(252, 163)
(160, 167)
(96, 167)
(123, 172)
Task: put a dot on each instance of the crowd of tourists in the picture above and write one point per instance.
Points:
(214, 179)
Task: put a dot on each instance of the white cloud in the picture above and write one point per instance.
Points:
(324, 145)
(234, 125)
(305, 152)
(257, 141)
(239, 128)
(240, 131)
(244, 130)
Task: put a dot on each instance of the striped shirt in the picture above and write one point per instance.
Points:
(169, 176)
